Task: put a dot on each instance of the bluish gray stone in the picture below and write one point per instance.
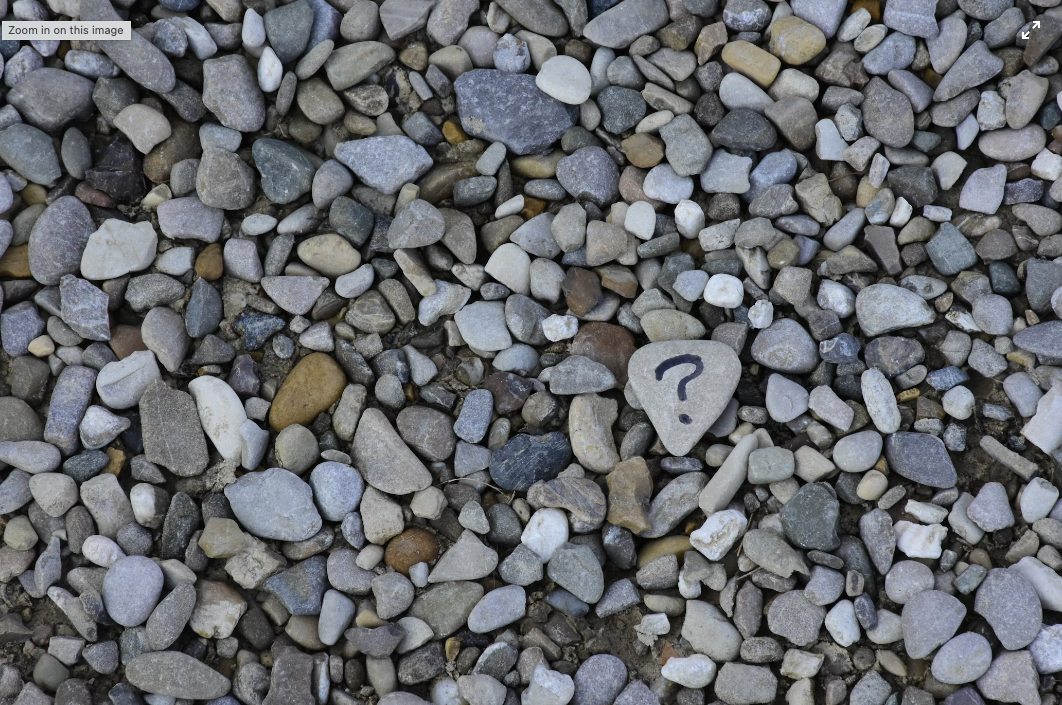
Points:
(301, 588)
(286, 172)
(525, 460)
(487, 102)
(920, 457)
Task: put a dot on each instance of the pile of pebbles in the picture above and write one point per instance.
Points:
(636, 352)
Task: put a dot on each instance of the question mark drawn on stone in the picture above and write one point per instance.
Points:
(687, 359)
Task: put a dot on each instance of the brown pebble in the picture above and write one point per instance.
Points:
(315, 384)
(93, 197)
(667, 653)
(126, 340)
(15, 262)
(410, 547)
(643, 150)
(34, 194)
(582, 289)
(117, 460)
(532, 207)
(607, 343)
(209, 264)
(453, 648)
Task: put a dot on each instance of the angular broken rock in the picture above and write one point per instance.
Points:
(173, 437)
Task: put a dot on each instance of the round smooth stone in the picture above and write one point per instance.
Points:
(566, 79)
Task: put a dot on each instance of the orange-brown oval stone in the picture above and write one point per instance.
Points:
(410, 547)
(315, 384)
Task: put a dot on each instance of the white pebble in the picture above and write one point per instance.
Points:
(511, 207)
(654, 121)
(546, 532)
(1047, 165)
(176, 261)
(718, 534)
(652, 626)
(836, 297)
(761, 314)
(564, 78)
(958, 402)
(640, 220)
(548, 687)
(270, 71)
(102, 551)
(696, 671)
(689, 218)
(901, 213)
(418, 574)
(925, 512)
(842, 624)
(445, 692)
(557, 328)
(918, 541)
(724, 290)
(1037, 499)
(937, 214)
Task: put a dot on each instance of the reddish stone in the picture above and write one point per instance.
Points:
(582, 289)
(609, 344)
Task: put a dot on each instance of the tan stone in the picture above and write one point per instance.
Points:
(784, 254)
(537, 166)
(866, 192)
(643, 150)
(115, 461)
(620, 279)
(210, 264)
(42, 346)
(753, 62)
(710, 40)
(303, 631)
(34, 194)
(438, 184)
(15, 262)
(218, 608)
(669, 545)
(358, 124)
(222, 538)
(629, 489)
(590, 419)
(818, 200)
(329, 254)
(315, 384)
(795, 41)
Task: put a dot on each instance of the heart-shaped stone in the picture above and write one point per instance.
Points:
(684, 385)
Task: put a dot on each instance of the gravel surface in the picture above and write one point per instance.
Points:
(532, 352)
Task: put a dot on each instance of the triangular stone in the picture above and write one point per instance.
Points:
(684, 385)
